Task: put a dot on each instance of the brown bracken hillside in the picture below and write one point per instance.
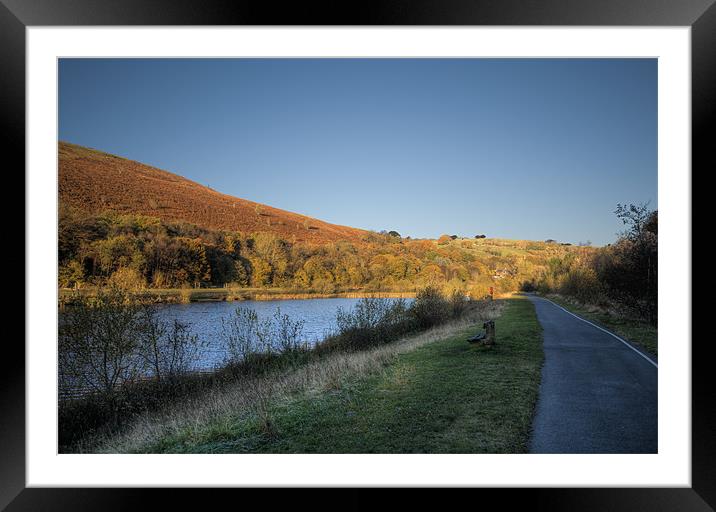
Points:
(94, 182)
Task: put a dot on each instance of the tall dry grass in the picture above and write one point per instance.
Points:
(252, 397)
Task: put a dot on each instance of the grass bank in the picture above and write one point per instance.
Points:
(431, 393)
(635, 330)
(187, 295)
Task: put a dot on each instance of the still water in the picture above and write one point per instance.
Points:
(205, 320)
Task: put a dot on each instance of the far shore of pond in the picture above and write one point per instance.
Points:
(187, 295)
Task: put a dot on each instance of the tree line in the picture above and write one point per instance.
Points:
(136, 251)
(624, 273)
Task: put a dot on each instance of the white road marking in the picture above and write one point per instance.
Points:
(604, 330)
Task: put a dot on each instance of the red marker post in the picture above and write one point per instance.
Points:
(492, 295)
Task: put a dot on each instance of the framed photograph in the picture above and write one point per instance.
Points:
(410, 247)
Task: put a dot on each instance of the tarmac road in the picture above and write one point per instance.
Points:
(598, 393)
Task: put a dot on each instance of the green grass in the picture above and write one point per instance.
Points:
(444, 397)
(637, 331)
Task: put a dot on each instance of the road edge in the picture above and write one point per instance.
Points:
(651, 359)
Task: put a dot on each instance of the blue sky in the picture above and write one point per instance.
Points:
(512, 148)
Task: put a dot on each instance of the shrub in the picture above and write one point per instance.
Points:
(288, 333)
(238, 333)
(430, 308)
(247, 338)
(98, 341)
(167, 349)
(582, 283)
(126, 278)
(71, 275)
(458, 303)
(370, 322)
(528, 286)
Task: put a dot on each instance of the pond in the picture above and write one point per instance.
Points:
(205, 320)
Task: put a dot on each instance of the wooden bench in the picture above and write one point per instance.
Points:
(487, 337)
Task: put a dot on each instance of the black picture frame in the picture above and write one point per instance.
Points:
(700, 15)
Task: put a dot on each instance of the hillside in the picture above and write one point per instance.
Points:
(93, 182)
(130, 224)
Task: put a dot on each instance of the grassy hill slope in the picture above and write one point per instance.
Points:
(94, 182)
